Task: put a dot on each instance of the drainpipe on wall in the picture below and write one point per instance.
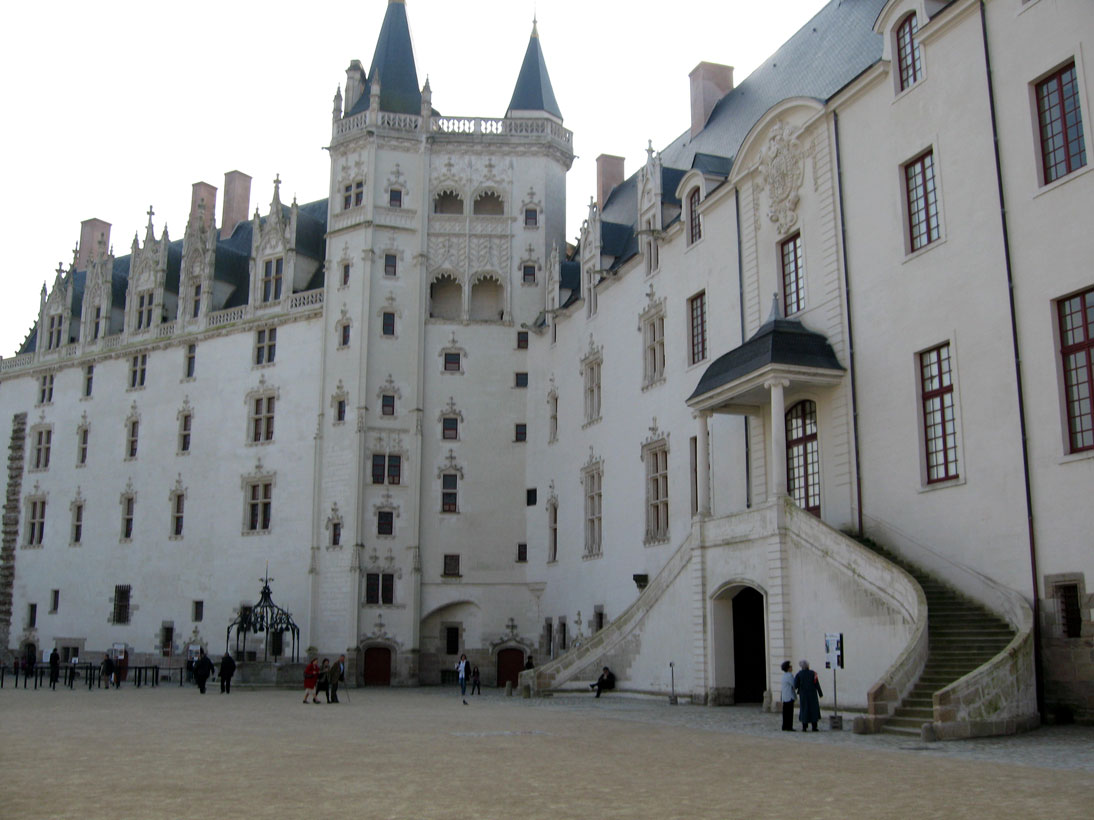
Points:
(741, 303)
(850, 333)
(1038, 674)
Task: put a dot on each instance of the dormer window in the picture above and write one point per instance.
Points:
(144, 310)
(907, 50)
(54, 339)
(695, 225)
(197, 301)
(272, 273)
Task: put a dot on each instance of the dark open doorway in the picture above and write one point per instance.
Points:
(749, 657)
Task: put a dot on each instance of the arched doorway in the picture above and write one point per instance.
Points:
(510, 664)
(377, 666)
(739, 646)
(803, 456)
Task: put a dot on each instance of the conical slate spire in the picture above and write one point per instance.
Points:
(393, 63)
(533, 91)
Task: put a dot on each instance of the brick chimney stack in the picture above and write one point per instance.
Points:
(237, 202)
(203, 193)
(609, 173)
(91, 231)
(709, 83)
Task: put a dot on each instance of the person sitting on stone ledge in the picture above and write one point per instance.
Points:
(604, 682)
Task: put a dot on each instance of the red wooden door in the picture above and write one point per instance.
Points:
(510, 664)
(377, 666)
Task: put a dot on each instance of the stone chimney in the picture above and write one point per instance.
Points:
(91, 232)
(609, 173)
(709, 83)
(237, 202)
(203, 193)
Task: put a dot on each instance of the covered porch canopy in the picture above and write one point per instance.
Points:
(781, 354)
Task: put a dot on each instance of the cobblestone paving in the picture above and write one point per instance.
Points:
(421, 754)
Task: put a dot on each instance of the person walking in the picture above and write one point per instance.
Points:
(227, 670)
(54, 668)
(337, 675)
(463, 670)
(311, 678)
(107, 670)
(203, 668)
(788, 697)
(476, 685)
(808, 687)
(324, 680)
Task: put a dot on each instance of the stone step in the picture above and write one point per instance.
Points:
(912, 723)
(903, 731)
(922, 713)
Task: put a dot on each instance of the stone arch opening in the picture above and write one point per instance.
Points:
(488, 203)
(739, 643)
(445, 298)
(447, 202)
(487, 299)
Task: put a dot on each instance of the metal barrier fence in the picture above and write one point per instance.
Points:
(87, 673)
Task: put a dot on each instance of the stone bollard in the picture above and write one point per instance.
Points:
(508, 689)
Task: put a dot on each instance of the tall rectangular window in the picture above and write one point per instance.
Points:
(144, 310)
(138, 367)
(939, 424)
(452, 640)
(387, 404)
(1060, 118)
(385, 522)
(32, 615)
(531, 217)
(345, 274)
(122, 595)
(520, 432)
(129, 504)
(54, 338)
(45, 389)
(36, 522)
(909, 61)
(197, 302)
(594, 480)
(178, 510)
(1071, 614)
(186, 421)
(449, 495)
(265, 345)
(197, 613)
(260, 506)
(552, 532)
(89, 380)
(77, 523)
(394, 469)
(793, 278)
(271, 279)
(653, 332)
(528, 274)
(395, 198)
(1077, 354)
(697, 328)
(450, 427)
(592, 390)
(922, 201)
(391, 264)
(379, 463)
(43, 443)
(54, 600)
(190, 367)
(657, 492)
(83, 434)
(262, 419)
(452, 565)
(695, 224)
(132, 437)
(388, 323)
(522, 553)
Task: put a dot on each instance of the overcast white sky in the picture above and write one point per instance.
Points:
(113, 106)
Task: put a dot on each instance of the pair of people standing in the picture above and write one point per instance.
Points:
(807, 685)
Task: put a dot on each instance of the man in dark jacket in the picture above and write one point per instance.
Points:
(337, 675)
(54, 668)
(605, 682)
(227, 669)
(203, 668)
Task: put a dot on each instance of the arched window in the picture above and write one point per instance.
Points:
(907, 52)
(445, 298)
(447, 202)
(487, 299)
(695, 226)
(803, 456)
(488, 203)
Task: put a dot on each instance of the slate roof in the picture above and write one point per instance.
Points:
(393, 63)
(533, 91)
(778, 341)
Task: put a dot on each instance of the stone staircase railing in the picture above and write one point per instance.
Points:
(566, 667)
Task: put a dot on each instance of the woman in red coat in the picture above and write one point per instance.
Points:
(311, 677)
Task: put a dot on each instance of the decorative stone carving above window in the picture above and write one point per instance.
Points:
(782, 169)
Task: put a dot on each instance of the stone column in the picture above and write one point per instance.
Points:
(777, 473)
(702, 464)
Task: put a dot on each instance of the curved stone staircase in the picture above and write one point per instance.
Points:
(962, 636)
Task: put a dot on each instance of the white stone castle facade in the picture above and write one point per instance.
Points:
(854, 298)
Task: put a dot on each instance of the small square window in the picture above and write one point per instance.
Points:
(521, 380)
(528, 274)
(531, 218)
(395, 198)
(530, 497)
(389, 324)
(522, 340)
(390, 264)
(452, 568)
(521, 433)
(522, 553)
(387, 404)
(452, 362)
(450, 427)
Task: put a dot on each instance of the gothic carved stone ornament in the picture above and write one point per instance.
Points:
(783, 169)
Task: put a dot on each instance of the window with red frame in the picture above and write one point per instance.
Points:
(1077, 353)
(1060, 119)
(697, 328)
(907, 52)
(793, 284)
(919, 185)
(939, 425)
(695, 225)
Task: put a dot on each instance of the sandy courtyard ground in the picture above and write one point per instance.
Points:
(421, 754)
